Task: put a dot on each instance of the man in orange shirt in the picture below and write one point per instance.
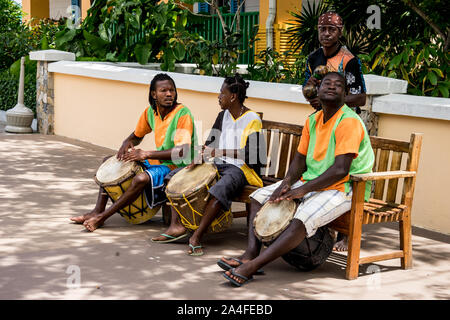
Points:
(334, 144)
(173, 126)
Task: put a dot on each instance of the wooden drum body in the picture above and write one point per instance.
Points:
(115, 177)
(188, 194)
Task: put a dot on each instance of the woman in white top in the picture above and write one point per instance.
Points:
(235, 143)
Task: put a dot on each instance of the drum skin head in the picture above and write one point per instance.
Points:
(188, 181)
(273, 218)
(114, 170)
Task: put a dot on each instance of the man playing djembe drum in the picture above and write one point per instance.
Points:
(334, 144)
(337, 58)
(173, 126)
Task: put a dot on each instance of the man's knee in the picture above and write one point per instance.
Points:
(141, 179)
(298, 227)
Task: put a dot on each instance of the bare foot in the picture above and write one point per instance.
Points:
(341, 245)
(93, 223)
(84, 217)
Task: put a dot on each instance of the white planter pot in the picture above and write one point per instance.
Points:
(19, 119)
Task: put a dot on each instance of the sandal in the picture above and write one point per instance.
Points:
(170, 238)
(234, 282)
(194, 253)
(225, 266)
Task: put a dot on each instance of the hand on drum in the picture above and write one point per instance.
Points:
(135, 155)
(292, 194)
(124, 149)
(280, 191)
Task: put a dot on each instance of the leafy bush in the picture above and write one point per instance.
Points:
(424, 66)
(43, 34)
(272, 66)
(128, 30)
(14, 34)
(9, 86)
(412, 43)
(218, 58)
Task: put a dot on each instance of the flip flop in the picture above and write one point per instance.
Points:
(193, 253)
(170, 238)
(225, 266)
(234, 282)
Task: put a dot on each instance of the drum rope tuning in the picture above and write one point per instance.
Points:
(190, 225)
(192, 199)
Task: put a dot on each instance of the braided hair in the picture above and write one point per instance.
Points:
(236, 84)
(160, 77)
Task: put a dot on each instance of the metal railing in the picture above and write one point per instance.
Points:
(211, 29)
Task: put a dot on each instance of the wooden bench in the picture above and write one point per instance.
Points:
(396, 161)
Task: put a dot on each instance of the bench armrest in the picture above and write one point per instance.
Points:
(382, 175)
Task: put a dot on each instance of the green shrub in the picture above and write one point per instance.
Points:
(272, 66)
(14, 35)
(9, 86)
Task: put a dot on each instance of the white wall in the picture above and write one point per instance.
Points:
(58, 8)
(251, 5)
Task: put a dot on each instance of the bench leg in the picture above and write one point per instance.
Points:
(247, 208)
(354, 248)
(405, 242)
(355, 230)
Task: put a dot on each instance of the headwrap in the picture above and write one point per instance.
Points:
(330, 18)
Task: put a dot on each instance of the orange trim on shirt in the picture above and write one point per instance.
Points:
(304, 140)
(334, 62)
(142, 127)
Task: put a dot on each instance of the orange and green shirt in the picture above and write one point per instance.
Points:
(177, 128)
(342, 134)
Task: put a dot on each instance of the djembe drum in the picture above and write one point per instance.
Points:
(273, 218)
(115, 177)
(187, 192)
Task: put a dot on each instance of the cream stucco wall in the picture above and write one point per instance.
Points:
(105, 112)
(431, 208)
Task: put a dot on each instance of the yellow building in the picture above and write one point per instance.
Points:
(54, 9)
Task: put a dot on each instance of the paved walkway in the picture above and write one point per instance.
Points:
(44, 180)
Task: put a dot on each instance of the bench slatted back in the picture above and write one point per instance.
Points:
(393, 155)
(282, 140)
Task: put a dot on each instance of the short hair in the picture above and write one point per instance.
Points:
(160, 77)
(236, 84)
(339, 74)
